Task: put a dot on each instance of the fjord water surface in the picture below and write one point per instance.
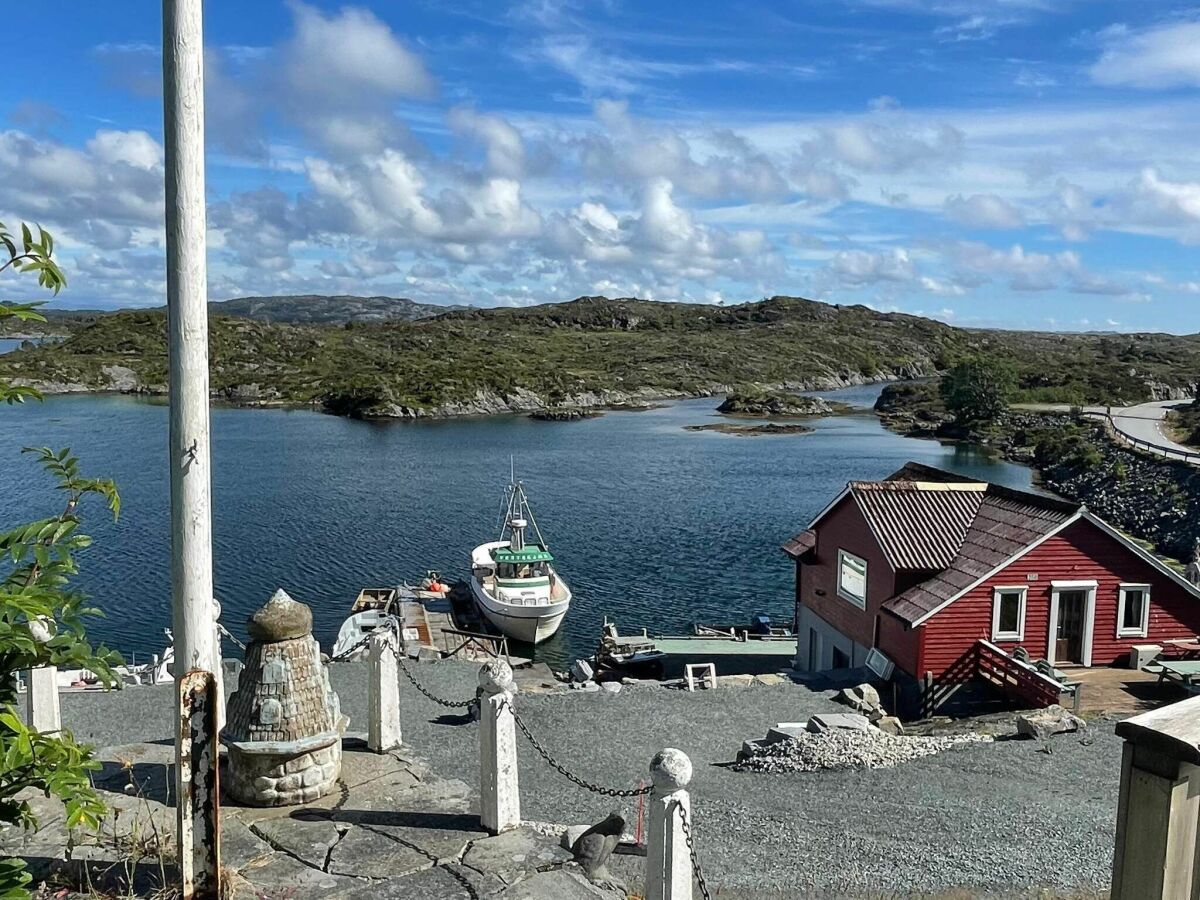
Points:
(652, 525)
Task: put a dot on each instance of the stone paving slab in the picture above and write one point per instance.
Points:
(308, 839)
(394, 828)
(513, 854)
(450, 882)
(286, 878)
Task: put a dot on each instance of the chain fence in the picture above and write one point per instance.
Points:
(691, 845)
(566, 773)
(394, 625)
(449, 704)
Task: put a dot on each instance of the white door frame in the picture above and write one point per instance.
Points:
(1089, 617)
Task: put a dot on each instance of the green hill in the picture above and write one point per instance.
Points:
(590, 351)
(317, 309)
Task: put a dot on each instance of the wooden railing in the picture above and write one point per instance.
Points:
(1015, 678)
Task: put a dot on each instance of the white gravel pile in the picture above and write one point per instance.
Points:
(846, 749)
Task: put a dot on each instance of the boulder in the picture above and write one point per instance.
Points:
(890, 725)
(1042, 723)
(749, 749)
(861, 698)
(784, 731)
(740, 680)
(830, 721)
(611, 687)
(582, 671)
(771, 679)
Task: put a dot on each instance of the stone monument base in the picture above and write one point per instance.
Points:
(285, 775)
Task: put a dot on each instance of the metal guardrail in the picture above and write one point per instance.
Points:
(1124, 437)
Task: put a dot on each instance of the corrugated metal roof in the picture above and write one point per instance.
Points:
(919, 525)
(1005, 524)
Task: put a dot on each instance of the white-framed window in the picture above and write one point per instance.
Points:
(852, 579)
(1133, 610)
(1008, 613)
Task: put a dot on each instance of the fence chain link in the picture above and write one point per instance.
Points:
(351, 650)
(691, 844)
(229, 634)
(449, 704)
(393, 624)
(558, 767)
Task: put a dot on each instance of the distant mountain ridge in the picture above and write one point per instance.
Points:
(323, 309)
(288, 309)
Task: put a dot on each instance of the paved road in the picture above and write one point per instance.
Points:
(1144, 422)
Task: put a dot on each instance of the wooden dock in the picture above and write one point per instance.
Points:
(452, 625)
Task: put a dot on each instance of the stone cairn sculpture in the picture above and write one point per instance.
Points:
(283, 723)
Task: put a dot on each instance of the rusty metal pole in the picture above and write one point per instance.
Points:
(198, 800)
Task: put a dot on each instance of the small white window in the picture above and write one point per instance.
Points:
(1133, 610)
(852, 579)
(1008, 614)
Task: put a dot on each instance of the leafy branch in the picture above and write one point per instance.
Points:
(29, 255)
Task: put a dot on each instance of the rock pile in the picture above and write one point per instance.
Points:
(841, 748)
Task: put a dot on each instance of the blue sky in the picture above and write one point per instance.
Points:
(1023, 163)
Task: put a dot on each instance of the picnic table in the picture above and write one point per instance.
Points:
(1185, 672)
(1187, 648)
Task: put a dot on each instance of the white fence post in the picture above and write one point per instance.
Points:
(500, 801)
(41, 700)
(383, 692)
(1156, 844)
(668, 861)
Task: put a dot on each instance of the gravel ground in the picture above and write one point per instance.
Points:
(1000, 818)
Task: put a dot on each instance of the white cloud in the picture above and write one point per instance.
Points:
(339, 58)
(860, 267)
(714, 163)
(885, 142)
(502, 142)
(1160, 57)
(1158, 201)
(983, 211)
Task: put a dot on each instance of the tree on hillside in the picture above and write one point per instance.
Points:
(41, 615)
(977, 389)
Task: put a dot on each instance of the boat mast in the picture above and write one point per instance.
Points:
(518, 516)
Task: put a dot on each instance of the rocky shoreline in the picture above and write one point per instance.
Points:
(485, 402)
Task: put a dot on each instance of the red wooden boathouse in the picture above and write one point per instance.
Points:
(926, 565)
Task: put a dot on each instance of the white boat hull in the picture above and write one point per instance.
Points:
(528, 624)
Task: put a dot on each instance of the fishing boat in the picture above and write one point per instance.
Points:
(514, 583)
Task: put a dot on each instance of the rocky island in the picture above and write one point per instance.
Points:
(776, 404)
(357, 359)
(747, 430)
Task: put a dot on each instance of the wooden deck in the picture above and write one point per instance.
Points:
(1111, 690)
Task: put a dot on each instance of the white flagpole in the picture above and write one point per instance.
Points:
(187, 315)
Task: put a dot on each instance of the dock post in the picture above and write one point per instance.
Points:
(500, 801)
(668, 859)
(1157, 813)
(383, 692)
(41, 700)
